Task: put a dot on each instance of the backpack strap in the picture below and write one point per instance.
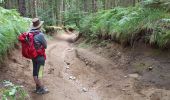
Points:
(35, 33)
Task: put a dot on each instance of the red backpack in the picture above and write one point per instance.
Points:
(28, 48)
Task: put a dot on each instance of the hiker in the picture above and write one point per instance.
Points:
(39, 61)
(33, 47)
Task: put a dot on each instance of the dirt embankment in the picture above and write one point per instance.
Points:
(140, 73)
(95, 73)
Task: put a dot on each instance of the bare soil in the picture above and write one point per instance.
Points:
(95, 73)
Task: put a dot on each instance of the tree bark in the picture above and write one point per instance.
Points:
(94, 5)
(85, 5)
(34, 9)
(61, 11)
(22, 8)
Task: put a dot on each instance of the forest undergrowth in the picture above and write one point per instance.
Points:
(12, 24)
(148, 21)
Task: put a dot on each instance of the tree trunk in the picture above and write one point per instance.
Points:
(85, 5)
(104, 4)
(53, 4)
(94, 5)
(34, 9)
(22, 8)
(61, 13)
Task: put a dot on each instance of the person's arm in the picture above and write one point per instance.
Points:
(43, 40)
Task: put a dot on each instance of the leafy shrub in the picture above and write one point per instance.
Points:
(72, 26)
(72, 17)
(127, 25)
(157, 4)
(11, 25)
(161, 33)
(9, 91)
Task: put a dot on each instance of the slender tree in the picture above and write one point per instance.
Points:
(94, 5)
(34, 8)
(22, 8)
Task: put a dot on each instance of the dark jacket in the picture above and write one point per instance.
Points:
(39, 39)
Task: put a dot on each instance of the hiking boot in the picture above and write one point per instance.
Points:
(37, 89)
(42, 90)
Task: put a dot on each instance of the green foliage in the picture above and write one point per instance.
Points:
(157, 4)
(127, 25)
(13, 92)
(161, 33)
(72, 15)
(11, 25)
(73, 26)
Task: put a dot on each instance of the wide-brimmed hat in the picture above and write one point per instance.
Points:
(36, 23)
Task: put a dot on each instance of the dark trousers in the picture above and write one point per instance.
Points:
(38, 66)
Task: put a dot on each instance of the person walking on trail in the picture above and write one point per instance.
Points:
(33, 47)
(39, 61)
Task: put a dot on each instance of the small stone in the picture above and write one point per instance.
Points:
(67, 63)
(70, 49)
(72, 78)
(84, 90)
(123, 89)
(133, 75)
(51, 71)
(67, 67)
(119, 53)
(125, 76)
(150, 68)
(87, 62)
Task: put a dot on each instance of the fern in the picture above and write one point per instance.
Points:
(11, 25)
(124, 25)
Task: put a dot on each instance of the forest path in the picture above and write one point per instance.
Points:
(60, 88)
(78, 74)
(73, 73)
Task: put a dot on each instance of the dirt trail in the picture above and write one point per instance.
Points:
(19, 71)
(60, 89)
(73, 73)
